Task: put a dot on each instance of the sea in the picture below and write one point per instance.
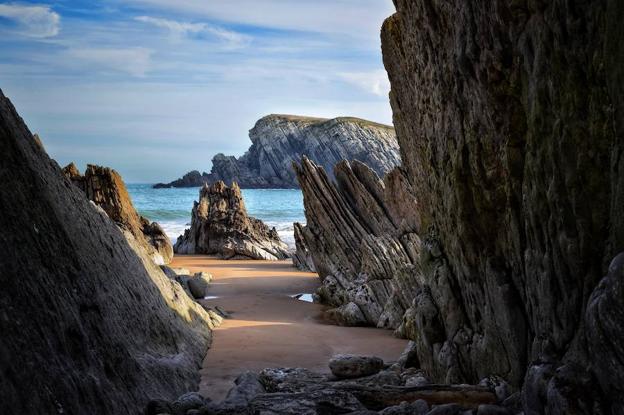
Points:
(171, 208)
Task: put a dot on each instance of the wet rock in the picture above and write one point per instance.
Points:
(105, 188)
(278, 140)
(88, 321)
(351, 366)
(220, 226)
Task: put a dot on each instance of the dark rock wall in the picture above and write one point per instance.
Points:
(278, 140)
(88, 323)
(509, 119)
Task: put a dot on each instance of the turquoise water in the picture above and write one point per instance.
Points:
(171, 208)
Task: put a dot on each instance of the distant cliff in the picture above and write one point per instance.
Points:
(278, 140)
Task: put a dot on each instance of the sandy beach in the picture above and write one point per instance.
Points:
(269, 328)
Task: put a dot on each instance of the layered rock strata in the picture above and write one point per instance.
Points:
(278, 140)
(302, 257)
(511, 128)
(361, 243)
(220, 226)
(89, 323)
(105, 187)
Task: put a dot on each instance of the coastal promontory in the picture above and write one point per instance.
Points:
(278, 140)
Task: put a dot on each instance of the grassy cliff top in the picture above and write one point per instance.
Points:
(316, 120)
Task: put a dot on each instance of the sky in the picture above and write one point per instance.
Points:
(155, 88)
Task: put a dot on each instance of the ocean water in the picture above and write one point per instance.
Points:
(171, 208)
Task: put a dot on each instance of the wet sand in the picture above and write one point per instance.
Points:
(268, 328)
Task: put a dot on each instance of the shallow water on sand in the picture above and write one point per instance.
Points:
(171, 208)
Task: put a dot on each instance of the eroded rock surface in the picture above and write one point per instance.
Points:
(220, 226)
(89, 323)
(105, 187)
(510, 120)
(278, 140)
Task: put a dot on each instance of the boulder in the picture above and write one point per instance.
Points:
(89, 323)
(105, 188)
(349, 366)
(220, 226)
(278, 140)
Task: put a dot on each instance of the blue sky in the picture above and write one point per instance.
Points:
(155, 88)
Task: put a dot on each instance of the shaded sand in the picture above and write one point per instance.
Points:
(268, 328)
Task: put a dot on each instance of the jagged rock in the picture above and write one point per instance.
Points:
(349, 366)
(186, 402)
(248, 386)
(514, 156)
(278, 140)
(291, 380)
(89, 323)
(107, 190)
(302, 258)
(321, 401)
(363, 249)
(220, 226)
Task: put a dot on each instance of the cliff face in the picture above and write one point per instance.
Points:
(89, 323)
(105, 188)
(510, 121)
(220, 225)
(278, 140)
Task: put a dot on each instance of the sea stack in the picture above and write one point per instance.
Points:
(279, 140)
(220, 226)
(105, 187)
(89, 323)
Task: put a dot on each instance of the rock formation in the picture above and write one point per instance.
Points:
(302, 257)
(89, 324)
(105, 188)
(278, 140)
(510, 120)
(364, 385)
(220, 226)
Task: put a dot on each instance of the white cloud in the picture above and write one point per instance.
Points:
(375, 82)
(180, 29)
(33, 21)
(133, 61)
(357, 18)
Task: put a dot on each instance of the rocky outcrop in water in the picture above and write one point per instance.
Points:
(278, 140)
(513, 156)
(89, 323)
(220, 226)
(105, 188)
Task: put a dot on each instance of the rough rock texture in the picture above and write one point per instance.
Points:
(107, 190)
(89, 323)
(278, 140)
(220, 226)
(363, 246)
(510, 120)
(515, 157)
(349, 366)
(298, 391)
(302, 257)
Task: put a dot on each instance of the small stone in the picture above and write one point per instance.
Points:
(188, 401)
(350, 366)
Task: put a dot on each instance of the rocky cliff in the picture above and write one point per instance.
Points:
(510, 122)
(278, 140)
(105, 188)
(89, 323)
(220, 226)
